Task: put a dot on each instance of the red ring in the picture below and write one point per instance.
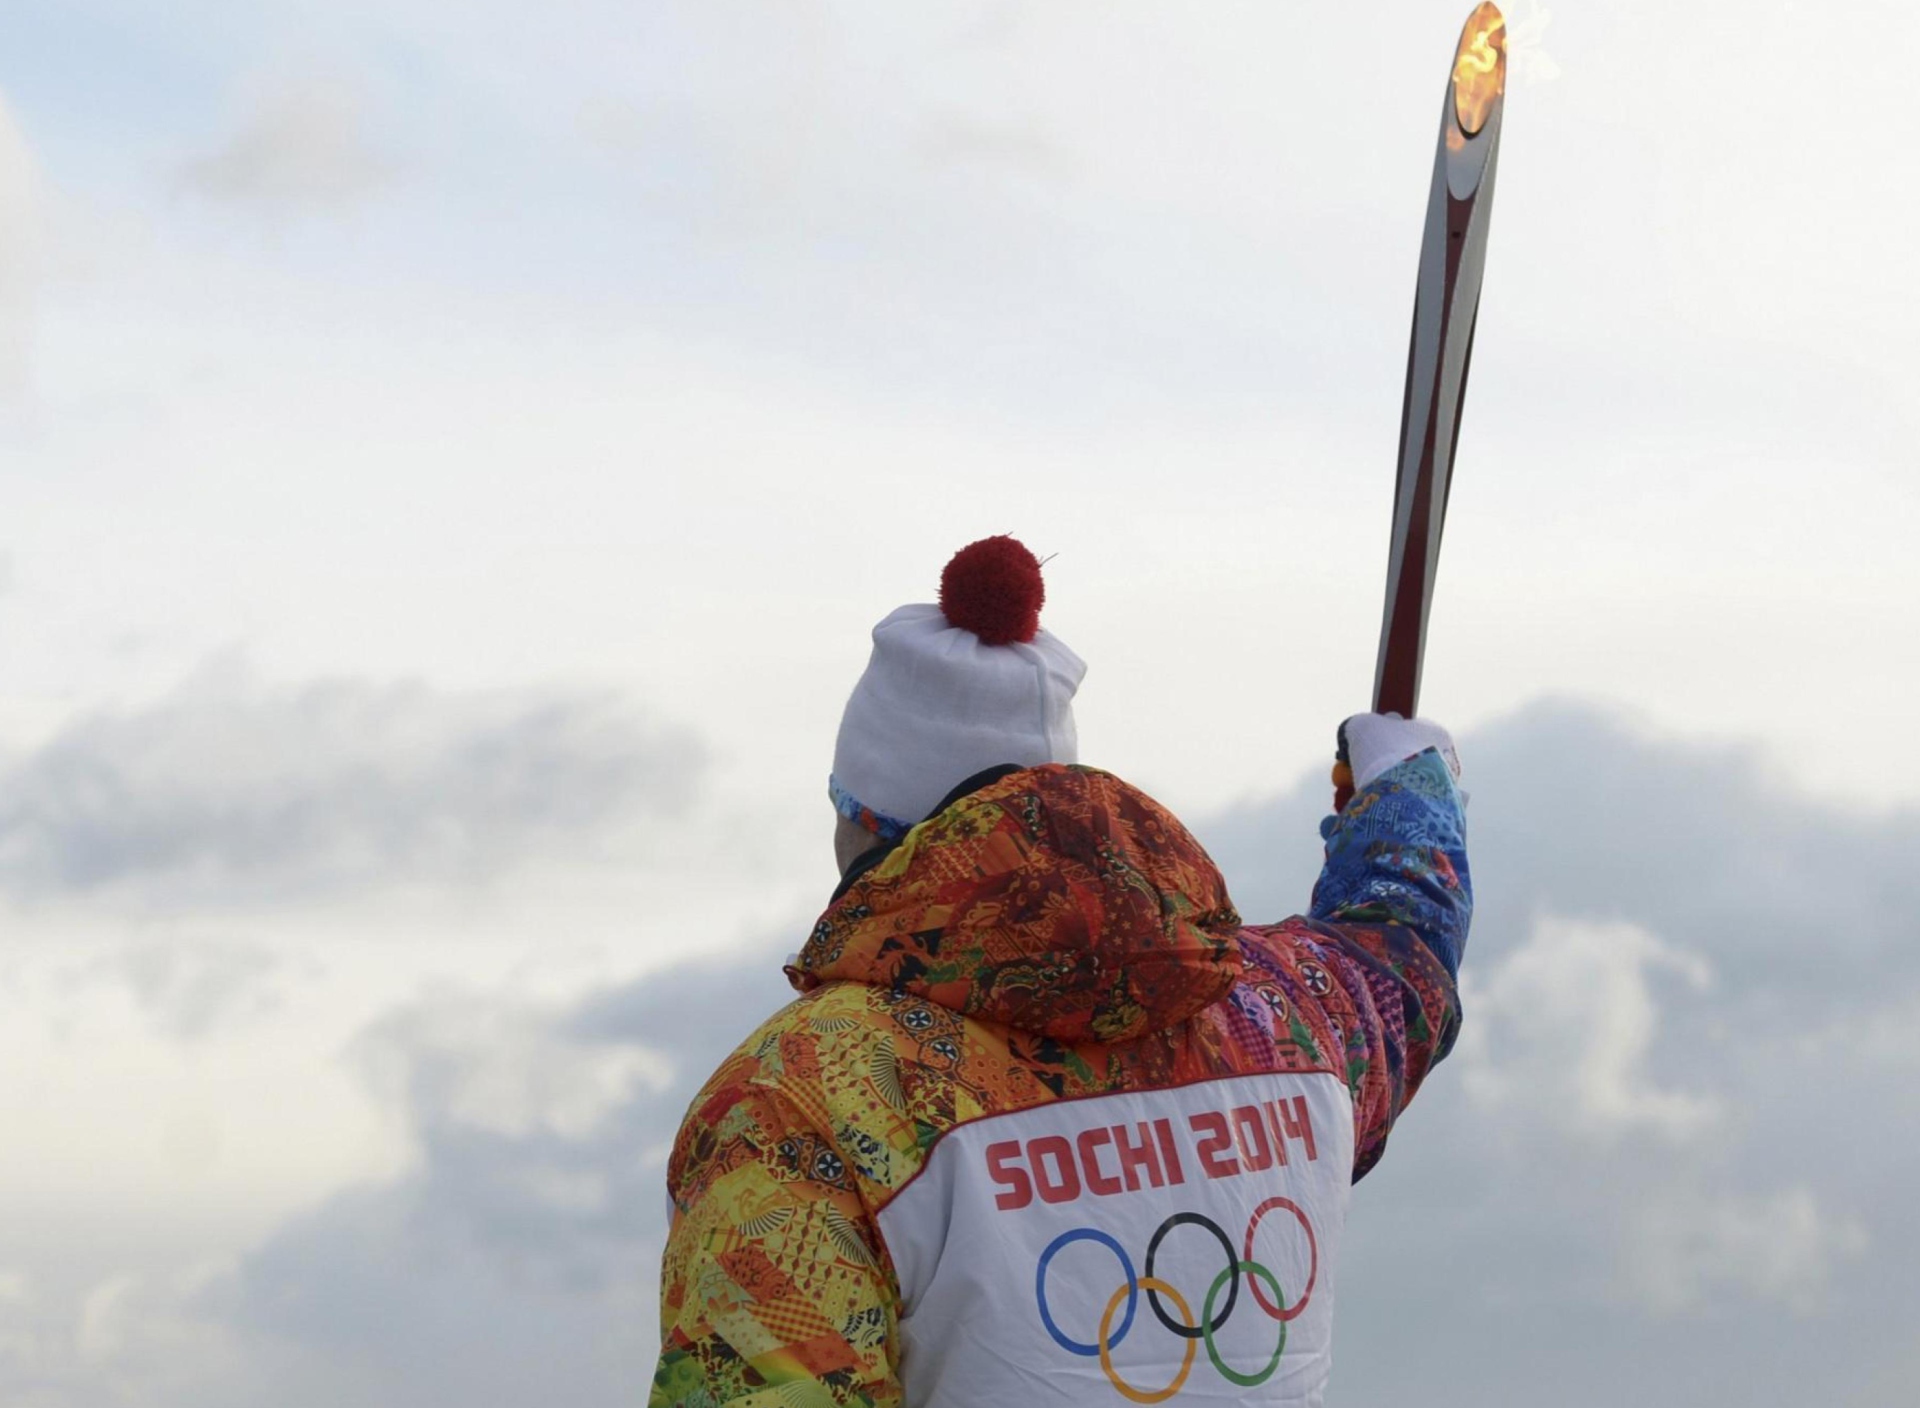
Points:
(1313, 1267)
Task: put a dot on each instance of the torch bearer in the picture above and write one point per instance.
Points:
(1446, 304)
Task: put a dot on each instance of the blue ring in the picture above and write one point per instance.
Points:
(1085, 1234)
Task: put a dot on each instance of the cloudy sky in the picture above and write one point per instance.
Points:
(450, 458)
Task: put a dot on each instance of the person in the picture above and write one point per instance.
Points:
(1048, 1123)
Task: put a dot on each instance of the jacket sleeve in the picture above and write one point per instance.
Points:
(1389, 920)
(775, 1292)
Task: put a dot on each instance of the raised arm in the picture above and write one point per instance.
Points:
(1380, 949)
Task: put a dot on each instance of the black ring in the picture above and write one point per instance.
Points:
(1233, 1290)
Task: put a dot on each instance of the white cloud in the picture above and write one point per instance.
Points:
(1888, 1037)
(129, 1339)
(306, 146)
(18, 1339)
(1781, 1248)
(118, 1320)
(232, 791)
(1012, 146)
(20, 239)
(193, 985)
(208, 894)
(1563, 1028)
(501, 1068)
(516, 1260)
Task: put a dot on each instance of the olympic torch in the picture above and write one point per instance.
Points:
(1446, 305)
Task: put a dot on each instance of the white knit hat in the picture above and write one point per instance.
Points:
(954, 689)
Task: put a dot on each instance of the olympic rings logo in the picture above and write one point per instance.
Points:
(1196, 1331)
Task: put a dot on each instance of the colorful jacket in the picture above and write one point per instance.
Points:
(1049, 1125)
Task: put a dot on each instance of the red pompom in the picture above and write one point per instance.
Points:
(993, 589)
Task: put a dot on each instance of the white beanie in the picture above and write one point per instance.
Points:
(954, 689)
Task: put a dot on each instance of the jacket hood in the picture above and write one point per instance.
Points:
(1056, 899)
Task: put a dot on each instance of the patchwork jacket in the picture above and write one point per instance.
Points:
(1049, 1124)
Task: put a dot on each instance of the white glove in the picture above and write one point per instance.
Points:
(1376, 742)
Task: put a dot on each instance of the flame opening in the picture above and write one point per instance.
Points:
(1479, 69)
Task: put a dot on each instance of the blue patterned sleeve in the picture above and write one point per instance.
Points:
(1398, 855)
(1389, 917)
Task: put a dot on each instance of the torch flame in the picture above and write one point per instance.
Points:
(1479, 70)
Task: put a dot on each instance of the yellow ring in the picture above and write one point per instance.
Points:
(1148, 1283)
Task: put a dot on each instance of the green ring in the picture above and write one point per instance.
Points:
(1251, 1268)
